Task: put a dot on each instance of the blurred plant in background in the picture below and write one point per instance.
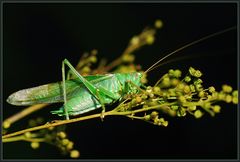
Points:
(174, 94)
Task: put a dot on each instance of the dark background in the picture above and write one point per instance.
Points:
(37, 37)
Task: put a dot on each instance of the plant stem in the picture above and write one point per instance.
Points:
(112, 112)
(23, 138)
(24, 113)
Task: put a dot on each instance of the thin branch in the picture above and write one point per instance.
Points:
(24, 113)
(23, 138)
(112, 112)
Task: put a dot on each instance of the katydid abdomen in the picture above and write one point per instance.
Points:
(79, 99)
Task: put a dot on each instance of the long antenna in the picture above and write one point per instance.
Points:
(188, 45)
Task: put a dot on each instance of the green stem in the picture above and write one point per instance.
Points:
(23, 138)
(112, 112)
(24, 113)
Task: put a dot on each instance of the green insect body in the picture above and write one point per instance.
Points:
(79, 99)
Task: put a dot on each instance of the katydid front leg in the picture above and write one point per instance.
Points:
(64, 90)
(98, 93)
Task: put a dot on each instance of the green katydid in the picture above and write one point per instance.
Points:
(83, 94)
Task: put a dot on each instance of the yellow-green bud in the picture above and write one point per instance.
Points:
(174, 107)
(228, 98)
(198, 81)
(74, 154)
(209, 96)
(166, 81)
(207, 105)
(181, 112)
(215, 94)
(94, 51)
(70, 146)
(235, 100)
(35, 145)
(192, 88)
(6, 124)
(50, 128)
(216, 108)
(172, 92)
(133, 101)
(235, 93)
(135, 40)
(86, 69)
(156, 121)
(128, 58)
(187, 79)
(181, 86)
(93, 59)
(154, 114)
(182, 99)
(161, 120)
(198, 73)
(165, 123)
(174, 81)
(62, 134)
(156, 89)
(192, 71)
(65, 142)
(199, 87)
(227, 88)
(198, 114)
(221, 96)
(177, 73)
(170, 72)
(147, 117)
(150, 39)
(192, 108)
(149, 89)
(152, 103)
(158, 24)
(27, 134)
(187, 89)
(144, 96)
(211, 89)
(138, 99)
(151, 95)
(201, 94)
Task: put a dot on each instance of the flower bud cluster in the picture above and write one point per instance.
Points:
(53, 135)
(178, 96)
(153, 118)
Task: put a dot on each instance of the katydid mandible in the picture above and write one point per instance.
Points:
(84, 94)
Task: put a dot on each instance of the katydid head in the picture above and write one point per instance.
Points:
(134, 77)
(133, 82)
